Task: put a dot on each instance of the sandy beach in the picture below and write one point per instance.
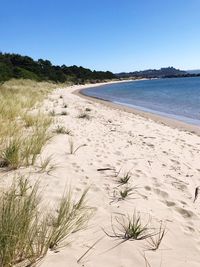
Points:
(156, 117)
(162, 158)
(100, 134)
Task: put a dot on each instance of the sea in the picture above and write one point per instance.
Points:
(177, 98)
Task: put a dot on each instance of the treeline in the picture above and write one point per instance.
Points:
(17, 66)
(169, 72)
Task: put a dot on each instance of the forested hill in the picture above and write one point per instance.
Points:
(17, 66)
(169, 72)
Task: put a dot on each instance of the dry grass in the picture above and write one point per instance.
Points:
(60, 129)
(10, 156)
(36, 120)
(23, 150)
(47, 166)
(52, 113)
(23, 131)
(27, 232)
(155, 241)
(72, 148)
(21, 230)
(71, 217)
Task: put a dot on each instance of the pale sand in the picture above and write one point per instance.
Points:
(164, 164)
(157, 118)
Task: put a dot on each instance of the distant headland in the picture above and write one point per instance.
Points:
(169, 72)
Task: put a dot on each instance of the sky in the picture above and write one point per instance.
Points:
(115, 35)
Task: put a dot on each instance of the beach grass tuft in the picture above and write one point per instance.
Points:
(52, 113)
(155, 241)
(84, 115)
(72, 148)
(127, 192)
(26, 232)
(10, 155)
(130, 228)
(64, 113)
(71, 217)
(46, 165)
(21, 229)
(124, 179)
(62, 130)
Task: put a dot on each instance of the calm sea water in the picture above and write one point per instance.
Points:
(177, 98)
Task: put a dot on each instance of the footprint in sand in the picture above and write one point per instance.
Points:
(148, 188)
(183, 202)
(94, 188)
(161, 193)
(188, 229)
(185, 213)
(179, 186)
(118, 153)
(155, 182)
(175, 161)
(78, 189)
(170, 203)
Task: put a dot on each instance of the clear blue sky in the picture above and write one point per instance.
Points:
(116, 35)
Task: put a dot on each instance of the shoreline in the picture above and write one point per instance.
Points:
(96, 153)
(163, 165)
(173, 123)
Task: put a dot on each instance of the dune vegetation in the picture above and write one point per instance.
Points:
(24, 129)
(26, 232)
